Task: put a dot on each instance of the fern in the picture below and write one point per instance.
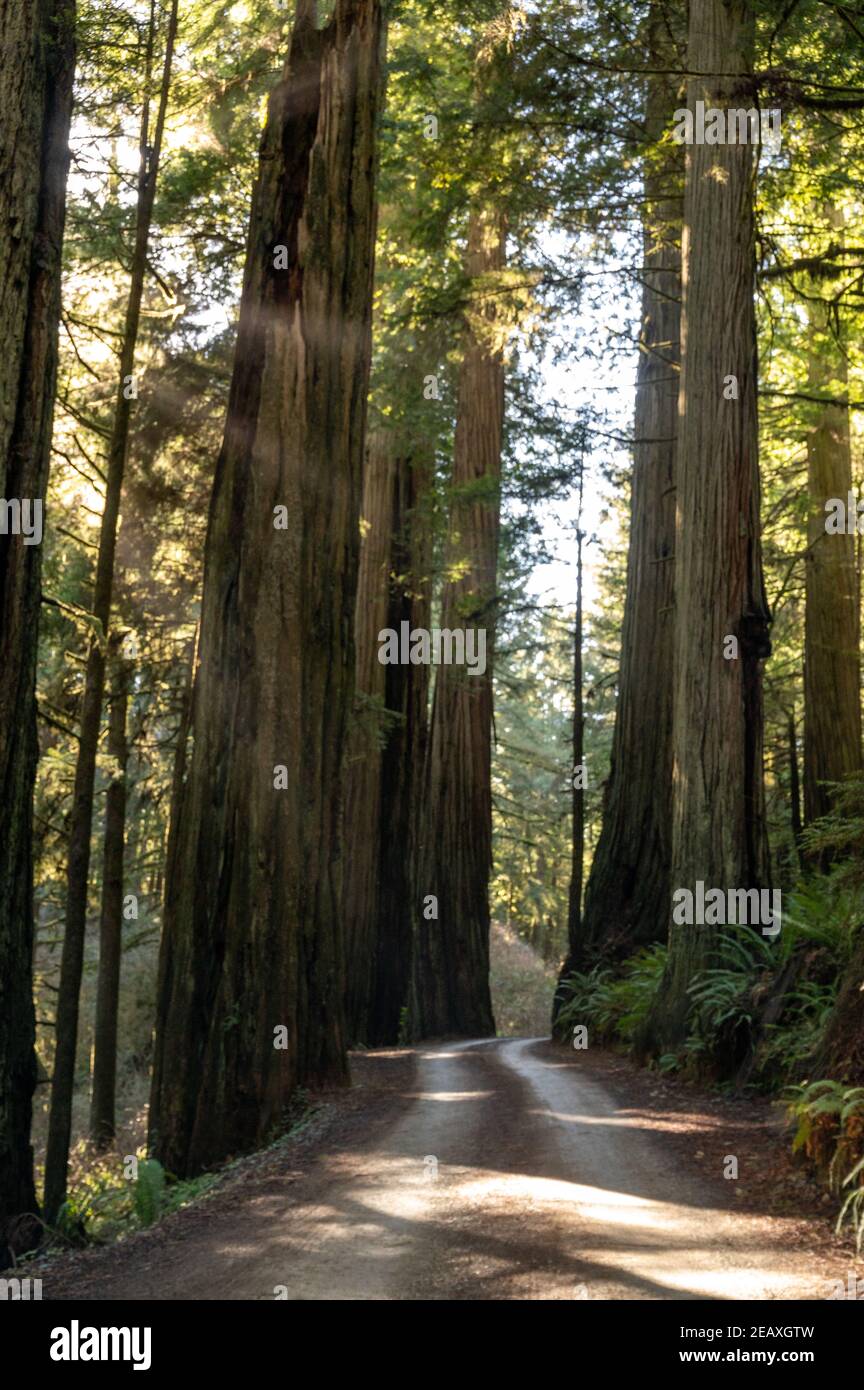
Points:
(149, 1191)
(852, 1209)
(612, 1005)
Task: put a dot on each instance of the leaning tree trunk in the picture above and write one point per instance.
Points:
(37, 62)
(102, 1119)
(627, 894)
(450, 986)
(832, 706)
(718, 822)
(251, 976)
(81, 818)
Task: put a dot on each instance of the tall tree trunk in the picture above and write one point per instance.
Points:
(718, 822)
(627, 894)
(577, 857)
(181, 759)
(403, 760)
(387, 747)
(832, 705)
(102, 1121)
(37, 61)
(841, 1051)
(450, 988)
(251, 970)
(367, 735)
(81, 820)
(574, 902)
(794, 787)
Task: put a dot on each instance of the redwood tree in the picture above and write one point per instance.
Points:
(722, 617)
(450, 984)
(251, 970)
(626, 897)
(832, 701)
(37, 61)
(368, 731)
(386, 746)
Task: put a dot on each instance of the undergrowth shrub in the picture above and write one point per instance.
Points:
(612, 1004)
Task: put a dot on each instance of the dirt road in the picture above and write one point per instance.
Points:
(496, 1170)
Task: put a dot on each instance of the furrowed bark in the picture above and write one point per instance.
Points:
(450, 987)
(627, 894)
(387, 747)
(832, 706)
(403, 760)
(718, 822)
(368, 732)
(253, 938)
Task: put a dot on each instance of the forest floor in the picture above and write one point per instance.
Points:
(501, 1169)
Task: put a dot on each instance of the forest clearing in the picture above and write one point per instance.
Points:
(431, 782)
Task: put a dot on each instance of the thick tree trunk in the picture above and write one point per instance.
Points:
(841, 1053)
(387, 748)
(81, 820)
(832, 706)
(627, 895)
(102, 1121)
(718, 823)
(450, 988)
(37, 60)
(251, 969)
(403, 760)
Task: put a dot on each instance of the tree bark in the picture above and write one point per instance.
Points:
(574, 898)
(794, 789)
(627, 894)
(832, 706)
(367, 735)
(81, 820)
(718, 821)
(841, 1052)
(253, 939)
(37, 61)
(450, 987)
(102, 1119)
(403, 760)
(387, 746)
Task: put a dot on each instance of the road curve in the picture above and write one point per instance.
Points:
(507, 1172)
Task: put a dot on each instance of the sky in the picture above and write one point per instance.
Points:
(609, 384)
